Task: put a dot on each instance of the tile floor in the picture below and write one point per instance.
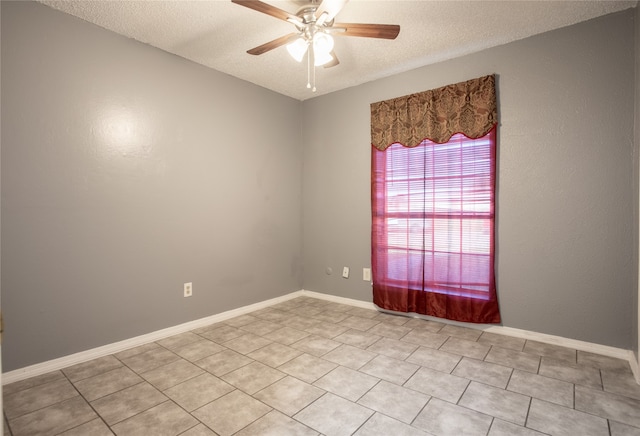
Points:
(308, 367)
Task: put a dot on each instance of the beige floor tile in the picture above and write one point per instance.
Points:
(198, 391)
(443, 418)
(316, 345)
(393, 348)
(346, 417)
(286, 335)
(607, 405)
(307, 367)
(438, 384)
(247, 343)
(128, 402)
(483, 372)
(382, 425)
(390, 369)
(394, 401)
(172, 374)
(502, 341)
(557, 420)
(223, 362)
(357, 338)
(347, 383)
(253, 377)
(274, 354)
(95, 427)
(541, 387)
(231, 413)
(275, 423)
(509, 406)
(32, 382)
(198, 350)
(289, 395)
(349, 356)
(434, 359)
(28, 400)
(149, 360)
(107, 383)
(180, 340)
(464, 347)
(166, 419)
(91, 368)
(513, 358)
(53, 419)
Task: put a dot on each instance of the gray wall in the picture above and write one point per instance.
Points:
(565, 186)
(126, 172)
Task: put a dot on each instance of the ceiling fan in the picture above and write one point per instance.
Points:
(315, 26)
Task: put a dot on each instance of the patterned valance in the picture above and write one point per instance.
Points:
(467, 107)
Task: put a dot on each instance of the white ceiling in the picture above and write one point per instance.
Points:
(217, 34)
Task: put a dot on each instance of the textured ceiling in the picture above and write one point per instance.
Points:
(218, 33)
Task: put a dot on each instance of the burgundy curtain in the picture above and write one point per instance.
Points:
(433, 202)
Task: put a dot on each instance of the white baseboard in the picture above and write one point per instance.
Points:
(83, 356)
(94, 353)
(604, 350)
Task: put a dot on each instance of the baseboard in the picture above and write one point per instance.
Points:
(604, 350)
(94, 353)
(73, 359)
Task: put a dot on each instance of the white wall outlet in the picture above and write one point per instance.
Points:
(366, 274)
(188, 289)
(345, 272)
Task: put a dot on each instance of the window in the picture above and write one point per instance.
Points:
(432, 201)
(437, 215)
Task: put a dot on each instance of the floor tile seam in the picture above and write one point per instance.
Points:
(420, 412)
(167, 400)
(526, 418)
(365, 421)
(142, 380)
(62, 375)
(17, 393)
(618, 396)
(204, 371)
(610, 420)
(45, 407)
(89, 404)
(577, 410)
(547, 377)
(485, 413)
(617, 393)
(583, 411)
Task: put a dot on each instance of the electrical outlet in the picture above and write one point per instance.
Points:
(366, 274)
(188, 289)
(345, 272)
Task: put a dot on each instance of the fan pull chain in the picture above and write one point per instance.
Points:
(309, 69)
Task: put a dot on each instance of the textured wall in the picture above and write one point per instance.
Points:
(565, 183)
(127, 172)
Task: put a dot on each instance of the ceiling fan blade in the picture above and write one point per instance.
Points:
(335, 61)
(384, 31)
(331, 8)
(272, 44)
(265, 8)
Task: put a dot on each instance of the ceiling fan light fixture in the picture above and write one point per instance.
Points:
(322, 44)
(321, 58)
(297, 49)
